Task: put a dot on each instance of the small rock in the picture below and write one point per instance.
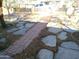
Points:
(67, 54)
(5, 57)
(62, 35)
(49, 40)
(54, 30)
(70, 45)
(45, 54)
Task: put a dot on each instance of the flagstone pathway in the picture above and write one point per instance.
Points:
(58, 37)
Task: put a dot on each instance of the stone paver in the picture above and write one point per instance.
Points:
(20, 24)
(20, 32)
(54, 30)
(62, 35)
(45, 54)
(21, 27)
(70, 45)
(12, 30)
(66, 54)
(28, 25)
(70, 30)
(49, 40)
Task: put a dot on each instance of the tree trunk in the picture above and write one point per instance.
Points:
(3, 24)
